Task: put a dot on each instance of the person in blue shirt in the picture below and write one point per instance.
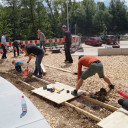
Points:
(18, 65)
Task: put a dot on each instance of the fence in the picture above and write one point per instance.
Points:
(50, 43)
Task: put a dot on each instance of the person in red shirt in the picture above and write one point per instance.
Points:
(94, 66)
(123, 102)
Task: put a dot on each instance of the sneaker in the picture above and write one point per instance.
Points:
(70, 61)
(39, 76)
(74, 93)
(33, 74)
(111, 86)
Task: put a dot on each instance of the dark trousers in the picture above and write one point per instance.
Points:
(15, 51)
(123, 103)
(18, 68)
(37, 63)
(67, 52)
(4, 51)
(42, 43)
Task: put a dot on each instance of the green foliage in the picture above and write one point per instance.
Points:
(22, 18)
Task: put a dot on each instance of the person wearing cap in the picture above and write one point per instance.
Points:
(94, 65)
(15, 45)
(123, 102)
(4, 45)
(67, 38)
(42, 38)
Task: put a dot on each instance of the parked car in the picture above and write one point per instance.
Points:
(95, 41)
(109, 39)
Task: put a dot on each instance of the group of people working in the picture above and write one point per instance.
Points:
(93, 64)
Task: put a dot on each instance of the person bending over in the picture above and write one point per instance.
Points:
(15, 45)
(33, 49)
(94, 66)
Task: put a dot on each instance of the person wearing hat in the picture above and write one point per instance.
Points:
(94, 65)
(4, 45)
(67, 38)
(15, 45)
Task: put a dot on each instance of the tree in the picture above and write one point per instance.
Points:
(102, 19)
(119, 20)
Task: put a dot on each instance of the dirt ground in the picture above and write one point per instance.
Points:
(115, 67)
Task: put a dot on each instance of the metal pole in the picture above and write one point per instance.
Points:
(67, 17)
(75, 29)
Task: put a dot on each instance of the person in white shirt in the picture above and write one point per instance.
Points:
(4, 45)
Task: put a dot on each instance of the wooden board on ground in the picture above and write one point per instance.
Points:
(43, 68)
(56, 97)
(118, 119)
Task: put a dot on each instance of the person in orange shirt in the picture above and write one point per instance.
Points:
(94, 66)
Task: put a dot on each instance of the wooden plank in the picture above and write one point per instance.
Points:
(43, 68)
(42, 80)
(26, 84)
(84, 112)
(112, 108)
(58, 69)
(56, 97)
(118, 119)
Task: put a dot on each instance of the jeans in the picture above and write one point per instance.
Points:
(37, 63)
(18, 68)
(15, 51)
(67, 52)
(4, 51)
(42, 43)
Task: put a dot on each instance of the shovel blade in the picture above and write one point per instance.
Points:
(26, 72)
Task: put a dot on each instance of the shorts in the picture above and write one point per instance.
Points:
(92, 70)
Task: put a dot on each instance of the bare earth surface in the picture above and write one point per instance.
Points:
(115, 67)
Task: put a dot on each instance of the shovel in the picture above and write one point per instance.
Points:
(26, 71)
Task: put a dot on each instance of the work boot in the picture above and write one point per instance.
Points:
(70, 62)
(74, 93)
(66, 61)
(111, 86)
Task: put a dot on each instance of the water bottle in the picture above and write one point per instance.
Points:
(23, 103)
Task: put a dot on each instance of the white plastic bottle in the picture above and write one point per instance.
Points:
(23, 104)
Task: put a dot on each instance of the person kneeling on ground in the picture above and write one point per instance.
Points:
(18, 65)
(33, 49)
(94, 66)
(123, 102)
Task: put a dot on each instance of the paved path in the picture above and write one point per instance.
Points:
(93, 50)
(11, 115)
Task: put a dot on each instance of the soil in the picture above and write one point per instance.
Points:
(59, 116)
